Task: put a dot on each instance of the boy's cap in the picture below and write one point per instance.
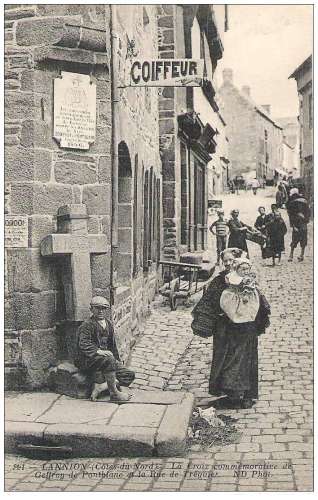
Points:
(220, 211)
(99, 301)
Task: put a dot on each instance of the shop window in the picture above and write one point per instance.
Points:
(199, 206)
(136, 227)
(125, 223)
(310, 109)
(146, 223)
(151, 219)
(158, 220)
(184, 194)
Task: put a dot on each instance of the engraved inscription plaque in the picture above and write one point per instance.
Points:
(16, 231)
(74, 111)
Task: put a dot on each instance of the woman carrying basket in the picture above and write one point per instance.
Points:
(234, 370)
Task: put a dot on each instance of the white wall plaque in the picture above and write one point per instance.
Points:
(16, 231)
(74, 111)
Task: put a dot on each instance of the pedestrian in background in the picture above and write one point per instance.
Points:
(296, 204)
(299, 215)
(299, 235)
(260, 223)
(276, 230)
(220, 229)
(255, 185)
(238, 232)
(281, 195)
(231, 186)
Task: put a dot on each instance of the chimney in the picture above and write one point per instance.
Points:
(246, 90)
(228, 75)
(267, 108)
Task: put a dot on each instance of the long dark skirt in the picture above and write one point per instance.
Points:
(237, 240)
(235, 363)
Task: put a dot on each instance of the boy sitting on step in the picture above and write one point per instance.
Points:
(98, 355)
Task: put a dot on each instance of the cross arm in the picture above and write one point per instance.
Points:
(56, 244)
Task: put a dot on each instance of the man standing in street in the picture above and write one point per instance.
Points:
(299, 215)
(221, 230)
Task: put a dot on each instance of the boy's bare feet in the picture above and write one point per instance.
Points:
(119, 397)
(98, 389)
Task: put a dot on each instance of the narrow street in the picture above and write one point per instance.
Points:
(278, 429)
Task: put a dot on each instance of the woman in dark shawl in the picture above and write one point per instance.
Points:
(234, 369)
(238, 229)
(276, 230)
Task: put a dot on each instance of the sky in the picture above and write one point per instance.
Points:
(264, 45)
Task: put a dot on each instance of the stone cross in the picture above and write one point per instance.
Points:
(73, 240)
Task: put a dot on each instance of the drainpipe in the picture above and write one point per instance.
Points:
(189, 197)
(114, 170)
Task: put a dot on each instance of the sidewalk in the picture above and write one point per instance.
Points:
(151, 424)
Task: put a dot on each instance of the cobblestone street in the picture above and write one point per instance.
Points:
(278, 429)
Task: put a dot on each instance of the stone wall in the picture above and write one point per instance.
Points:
(246, 133)
(172, 102)
(168, 133)
(139, 132)
(240, 120)
(40, 176)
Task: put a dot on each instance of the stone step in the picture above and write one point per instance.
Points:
(154, 423)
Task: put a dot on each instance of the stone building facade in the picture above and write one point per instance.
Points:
(291, 161)
(219, 169)
(41, 42)
(102, 210)
(255, 139)
(187, 127)
(303, 77)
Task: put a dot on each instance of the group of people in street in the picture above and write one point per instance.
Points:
(229, 233)
(233, 309)
(235, 233)
(234, 185)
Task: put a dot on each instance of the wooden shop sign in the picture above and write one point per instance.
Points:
(166, 73)
(16, 231)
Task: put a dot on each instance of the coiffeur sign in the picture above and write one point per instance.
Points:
(166, 73)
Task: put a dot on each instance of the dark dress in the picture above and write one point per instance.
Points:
(297, 204)
(237, 238)
(235, 346)
(280, 198)
(92, 336)
(276, 230)
(260, 223)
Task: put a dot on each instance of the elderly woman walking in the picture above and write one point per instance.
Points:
(234, 370)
